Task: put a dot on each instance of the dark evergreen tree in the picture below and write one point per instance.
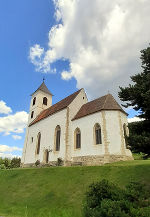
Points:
(137, 95)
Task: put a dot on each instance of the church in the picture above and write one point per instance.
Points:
(74, 131)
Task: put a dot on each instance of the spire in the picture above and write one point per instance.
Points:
(43, 88)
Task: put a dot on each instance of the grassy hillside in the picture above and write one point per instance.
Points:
(59, 191)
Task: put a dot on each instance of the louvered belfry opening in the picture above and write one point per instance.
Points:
(45, 101)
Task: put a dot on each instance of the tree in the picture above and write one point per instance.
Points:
(15, 162)
(137, 95)
(105, 199)
(139, 139)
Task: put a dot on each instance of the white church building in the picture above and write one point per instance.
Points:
(75, 131)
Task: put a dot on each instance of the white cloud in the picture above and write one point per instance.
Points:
(9, 155)
(134, 119)
(4, 109)
(16, 137)
(6, 148)
(13, 123)
(7, 151)
(101, 39)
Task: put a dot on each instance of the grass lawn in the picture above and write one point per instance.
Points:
(59, 191)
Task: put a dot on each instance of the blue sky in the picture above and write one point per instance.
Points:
(73, 45)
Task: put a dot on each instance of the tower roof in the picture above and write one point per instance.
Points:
(106, 102)
(43, 88)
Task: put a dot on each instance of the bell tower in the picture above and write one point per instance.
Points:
(41, 99)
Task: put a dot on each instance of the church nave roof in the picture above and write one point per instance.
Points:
(106, 102)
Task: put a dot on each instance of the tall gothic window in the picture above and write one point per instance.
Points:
(45, 101)
(38, 143)
(77, 138)
(34, 100)
(98, 136)
(57, 138)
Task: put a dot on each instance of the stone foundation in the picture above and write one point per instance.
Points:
(85, 161)
(99, 160)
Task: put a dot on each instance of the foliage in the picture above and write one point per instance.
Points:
(105, 199)
(15, 162)
(59, 161)
(139, 156)
(138, 93)
(2, 166)
(37, 163)
(139, 138)
(6, 163)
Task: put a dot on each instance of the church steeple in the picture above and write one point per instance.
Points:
(41, 99)
(43, 88)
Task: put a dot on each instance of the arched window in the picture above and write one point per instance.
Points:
(97, 134)
(38, 143)
(57, 138)
(34, 100)
(32, 113)
(45, 101)
(77, 138)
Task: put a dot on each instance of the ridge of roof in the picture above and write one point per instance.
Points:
(43, 88)
(62, 104)
(106, 102)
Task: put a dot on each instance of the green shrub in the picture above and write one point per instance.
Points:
(37, 163)
(2, 166)
(59, 162)
(15, 162)
(105, 199)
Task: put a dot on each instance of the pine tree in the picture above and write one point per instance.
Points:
(137, 95)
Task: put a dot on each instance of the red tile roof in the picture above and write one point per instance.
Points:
(106, 102)
(55, 108)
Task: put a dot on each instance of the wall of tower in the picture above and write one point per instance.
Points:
(39, 106)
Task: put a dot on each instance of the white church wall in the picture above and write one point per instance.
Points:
(47, 129)
(86, 126)
(74, 107)
(113, 132)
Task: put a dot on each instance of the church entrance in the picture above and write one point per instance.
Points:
(46, 156)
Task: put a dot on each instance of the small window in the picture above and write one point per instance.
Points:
(45, 101)
(38, 143)
(32, 113)
(77, 138)
(32, 139)
(57, 138)
(34, 100)
(98, 137)
(83, 97)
